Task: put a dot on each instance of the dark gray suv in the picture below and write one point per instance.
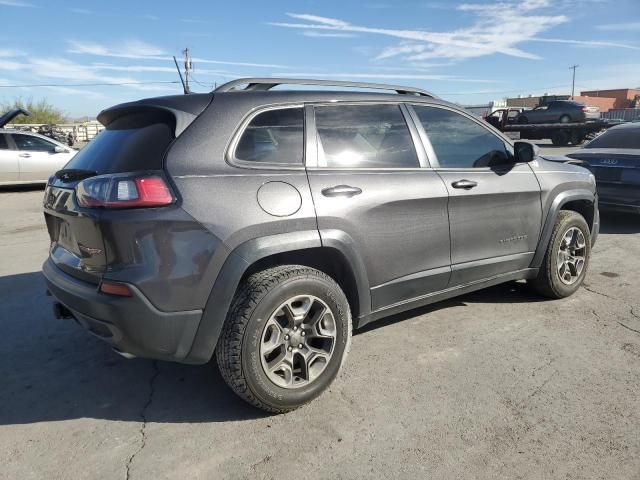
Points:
(263, 224)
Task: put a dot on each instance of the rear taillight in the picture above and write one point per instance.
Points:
(585, 109)
(131, 190)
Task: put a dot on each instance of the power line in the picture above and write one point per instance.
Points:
(86, 84)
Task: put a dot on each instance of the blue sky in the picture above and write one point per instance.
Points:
(466, 51)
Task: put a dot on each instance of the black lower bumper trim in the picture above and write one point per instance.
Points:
(130, 324)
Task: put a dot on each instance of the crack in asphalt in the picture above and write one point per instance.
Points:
(589, 289)
(631, 308)
(143, 416)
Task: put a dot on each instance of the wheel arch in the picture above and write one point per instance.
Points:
(581, 201)
(333, 255)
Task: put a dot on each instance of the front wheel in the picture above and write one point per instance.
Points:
(285, 338)
(567, 257)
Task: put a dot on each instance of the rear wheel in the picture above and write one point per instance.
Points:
(567, 257)
(285, 338)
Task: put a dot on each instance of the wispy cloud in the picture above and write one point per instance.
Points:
(80, 11)
(10, 52)
(587, 43)
(16, 3)
(498, 28)
(126, 49)
(136, 49)
(620, 27)
(315, 34)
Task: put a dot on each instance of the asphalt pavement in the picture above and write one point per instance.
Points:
(496, 384)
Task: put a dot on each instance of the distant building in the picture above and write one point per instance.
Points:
(624, 97)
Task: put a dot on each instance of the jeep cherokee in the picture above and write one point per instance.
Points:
(260, 224)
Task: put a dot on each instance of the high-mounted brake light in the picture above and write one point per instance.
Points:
(124, 191)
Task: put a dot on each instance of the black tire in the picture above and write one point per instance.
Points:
(548, 282)
(560, 138)
(237, 351)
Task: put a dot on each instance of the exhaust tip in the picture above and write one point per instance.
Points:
(61, 312)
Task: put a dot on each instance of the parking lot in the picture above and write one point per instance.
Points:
(495, 384)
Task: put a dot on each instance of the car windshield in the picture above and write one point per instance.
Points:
(617, 138)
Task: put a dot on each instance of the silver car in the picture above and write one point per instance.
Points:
(27, 157)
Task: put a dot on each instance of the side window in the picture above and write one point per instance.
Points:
(31, 143)
(274, 136)
(364, 136)
(3, 142)
(459, 142)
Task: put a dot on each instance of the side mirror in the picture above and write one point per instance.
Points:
(525, 152)
(58, 149)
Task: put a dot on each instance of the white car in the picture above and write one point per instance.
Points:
(27, 157)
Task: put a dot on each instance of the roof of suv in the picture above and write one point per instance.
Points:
(259, 92)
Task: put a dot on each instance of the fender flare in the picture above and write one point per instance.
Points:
(561, 199)
(246, 254)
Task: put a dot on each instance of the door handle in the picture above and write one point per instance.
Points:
(25, 155)
(466, 184)
(341, 191)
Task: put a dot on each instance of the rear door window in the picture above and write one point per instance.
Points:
(364, 136)
(460, 142)
(4, 145)
(275, 137)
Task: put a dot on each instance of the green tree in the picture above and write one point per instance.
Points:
(41, 111)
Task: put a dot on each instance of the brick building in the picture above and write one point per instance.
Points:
(624, 97)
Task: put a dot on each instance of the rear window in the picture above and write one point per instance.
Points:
(130, 143)
(617, 138)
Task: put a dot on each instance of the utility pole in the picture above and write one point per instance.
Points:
(188, 66)
(573, 83)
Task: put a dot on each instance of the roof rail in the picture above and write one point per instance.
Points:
(264, 84)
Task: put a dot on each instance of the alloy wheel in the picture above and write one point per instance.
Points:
(571, 258)
(298, 341)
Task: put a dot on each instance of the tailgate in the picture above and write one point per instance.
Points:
(77, 246)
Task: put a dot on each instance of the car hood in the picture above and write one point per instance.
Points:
(11, 114)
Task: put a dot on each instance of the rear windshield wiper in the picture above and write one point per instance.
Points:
(70, 174)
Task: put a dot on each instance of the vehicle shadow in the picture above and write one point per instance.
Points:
(510, 292)
(32, 187)
(618, 223)
(53, 370)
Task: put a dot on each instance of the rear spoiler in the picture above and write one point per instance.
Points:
(11, 114)
(183, 108)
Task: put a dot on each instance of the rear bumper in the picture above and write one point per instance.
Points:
(131, 325)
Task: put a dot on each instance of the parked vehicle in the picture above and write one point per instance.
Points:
(504, 116)
(263, 225)
(27, 157)
(614, 159)
(559, 111)
(509, 120)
